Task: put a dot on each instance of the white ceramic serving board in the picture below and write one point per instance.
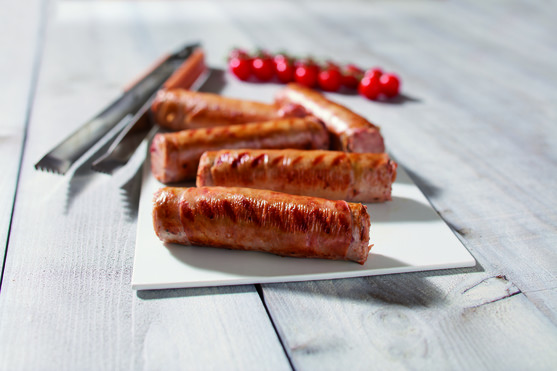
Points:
(408, 236)
(407, 233)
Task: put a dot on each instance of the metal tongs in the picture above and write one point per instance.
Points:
(180, 69)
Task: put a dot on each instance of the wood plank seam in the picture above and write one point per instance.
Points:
(259, 290)
(35, 70)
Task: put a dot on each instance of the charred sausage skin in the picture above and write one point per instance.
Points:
(175, 156)
(350, 132)
(358, 177)
(262, 220)
(180, 109)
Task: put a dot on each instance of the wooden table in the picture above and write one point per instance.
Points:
(476, 130)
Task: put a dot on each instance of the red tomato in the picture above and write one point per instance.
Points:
(330, 79)
(238, 53)
(240, 67)
(281, 58)
(262, 68)
(369, 87)
(374, 72)
(306, 73)
(330, 65)
(352, 68)
(389, 84)
(351, 76)
(284, 71)
(284, 68)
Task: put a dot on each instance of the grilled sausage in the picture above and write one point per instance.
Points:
(175, 156)
(350, 132)
(262, 220)
(179, 109)
(359, 177)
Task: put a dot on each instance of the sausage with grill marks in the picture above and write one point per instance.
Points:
(262, 220)
(350, 132)
(175, 156)
(180, 109)
(359, 177)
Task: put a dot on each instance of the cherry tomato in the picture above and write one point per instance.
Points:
(389, 84)
(240, 67)
(281, 58)
(330, 79)
(369, 87)
(284, 72)
(262, 68)
(374, 72)
(331, 65)
(352, 68)
(351, 76)
(238, 53)
(284, 68)
(306, 73)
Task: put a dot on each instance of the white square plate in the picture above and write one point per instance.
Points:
(408, 236)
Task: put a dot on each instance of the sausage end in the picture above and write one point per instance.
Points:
(166, 216)
(358, 250)
(364, 140)
(204, 176)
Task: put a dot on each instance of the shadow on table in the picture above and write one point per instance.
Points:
(82, 177)
(193, 292)
(215, 81)
(401, 99)
(406, 289)
(398, 100)
(130, 192)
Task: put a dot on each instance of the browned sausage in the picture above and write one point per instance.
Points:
(175, 156)
(360, 177)
(178, 109)
(350, 132)
(262, 220)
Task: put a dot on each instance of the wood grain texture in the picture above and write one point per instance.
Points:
(17, 71)
(476, 132)
(412, 321)
(66, 301)
(475, 128)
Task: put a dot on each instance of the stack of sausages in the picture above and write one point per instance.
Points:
(285, 178)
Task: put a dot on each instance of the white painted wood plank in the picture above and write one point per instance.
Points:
(475, 140)
(478, 142)
(66, 301)
(413, 321)
(20, 23)
(495, 138)
(546, 301)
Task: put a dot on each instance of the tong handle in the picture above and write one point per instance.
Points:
(62, 157)
(190, 75)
